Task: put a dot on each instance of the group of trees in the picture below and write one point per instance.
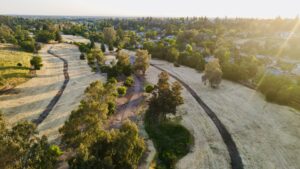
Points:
(21, 148)
(166, 97)
(95, 147)
(172, 141)
(280, 89)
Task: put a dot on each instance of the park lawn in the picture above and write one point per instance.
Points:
(10, 73)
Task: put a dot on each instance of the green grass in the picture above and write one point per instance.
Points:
(172, 141)
(10, 73)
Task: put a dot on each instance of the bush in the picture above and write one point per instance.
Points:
(36, 62)
(19, 65)
(112, 80)
(149, 88)
(111, 108)
(122, 90)
(28, 46)
(129, 81)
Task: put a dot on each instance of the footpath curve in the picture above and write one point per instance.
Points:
(55, 99)
(236, 160)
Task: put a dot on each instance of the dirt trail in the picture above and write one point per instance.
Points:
(55, 99)
(266, 135)
(236, 161)
(129, 109)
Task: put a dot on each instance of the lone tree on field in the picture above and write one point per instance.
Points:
(36, 62)
(142, 60)
(212, 73)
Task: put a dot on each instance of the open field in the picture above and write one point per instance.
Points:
(267, 135)
(10, 74)
(33, 96)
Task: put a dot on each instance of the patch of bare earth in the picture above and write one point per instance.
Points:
(267, 135)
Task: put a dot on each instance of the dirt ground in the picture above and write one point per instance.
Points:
(267, 135)
(32, 97)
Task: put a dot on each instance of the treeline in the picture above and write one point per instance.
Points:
(94, 146)
(27, 33)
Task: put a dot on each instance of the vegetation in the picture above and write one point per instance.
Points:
(213, 73)
(14, 66)
(20, 147)
(122, 90)
(36, 62)
(142, 61)
(172, 141)
(95, 147)
(281, 89)
(129, 81)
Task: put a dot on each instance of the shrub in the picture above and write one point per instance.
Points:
(111, 108)
(112, 80)
(82, 56)
(19, 65)
(36, 62)
(176, 64)
(122, 90)
(149, 88)
(129, 81)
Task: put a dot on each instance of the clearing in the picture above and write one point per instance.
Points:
(10, 73)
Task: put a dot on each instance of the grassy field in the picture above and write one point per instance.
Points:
(12, 74)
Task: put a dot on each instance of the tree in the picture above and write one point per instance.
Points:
(166, 97)
(213, 73)
(142, 60)
(123, 58)
(58, 36)
(36, 62)
(85, 123)
(97, 54)
(21, 148)
(45, 36)
(109, 35)
(223, 54)
(116, 149)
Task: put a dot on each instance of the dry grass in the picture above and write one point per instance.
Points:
(11, 74)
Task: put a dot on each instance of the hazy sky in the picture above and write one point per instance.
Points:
(211, 8)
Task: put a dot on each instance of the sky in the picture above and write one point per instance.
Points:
(155, 8)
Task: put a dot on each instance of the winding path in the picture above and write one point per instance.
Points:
(236, 161)
(55, 99)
